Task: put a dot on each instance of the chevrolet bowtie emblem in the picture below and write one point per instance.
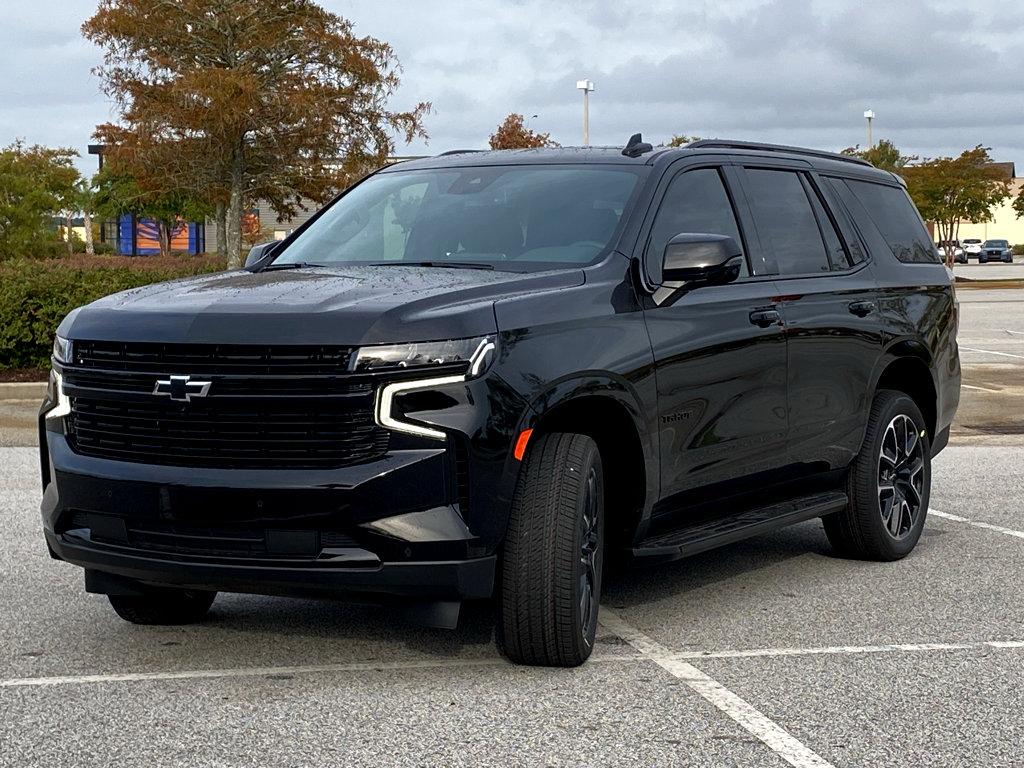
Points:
(181, 388)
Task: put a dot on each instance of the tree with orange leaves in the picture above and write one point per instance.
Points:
(513, 134)
(238, 101)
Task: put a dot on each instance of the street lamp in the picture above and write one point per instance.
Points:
(869, 115)
(586, 86)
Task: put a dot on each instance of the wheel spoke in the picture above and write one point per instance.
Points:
(586, 608)
(887, 507)
(912, 495)
(912, 438)
(896, 517)
(889, 455)
(915, 466)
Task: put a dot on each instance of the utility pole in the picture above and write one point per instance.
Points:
(869, 115)
(586, 86)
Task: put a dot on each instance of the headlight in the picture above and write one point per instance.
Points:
(473, 354)
(62, 349)
(57, 396)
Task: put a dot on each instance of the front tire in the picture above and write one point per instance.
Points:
(889, 484)
(553, 556)
(163, 606)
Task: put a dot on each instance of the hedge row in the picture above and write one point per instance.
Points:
(35, 295)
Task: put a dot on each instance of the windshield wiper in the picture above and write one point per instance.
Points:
(456, 265)
(290, 266)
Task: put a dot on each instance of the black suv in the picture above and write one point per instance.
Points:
(484, 374)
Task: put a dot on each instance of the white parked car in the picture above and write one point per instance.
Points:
(972, 246)
(958, 252)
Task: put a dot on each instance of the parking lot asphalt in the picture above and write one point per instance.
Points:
(770, 652)
(991, 270)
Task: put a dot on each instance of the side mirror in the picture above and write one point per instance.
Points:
(700, 259)
(259, 251)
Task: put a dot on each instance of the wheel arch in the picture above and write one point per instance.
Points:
(607, 411)
(907, 368)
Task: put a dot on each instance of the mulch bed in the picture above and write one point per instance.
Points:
(24, 375)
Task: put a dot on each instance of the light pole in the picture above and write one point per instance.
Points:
(869, 115)
(586, 86)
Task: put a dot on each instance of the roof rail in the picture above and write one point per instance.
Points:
(741, 145)
(458, 152)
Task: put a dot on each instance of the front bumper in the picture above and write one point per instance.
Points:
(392, 527)
(428, 580)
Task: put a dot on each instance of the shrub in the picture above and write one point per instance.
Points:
(1018, 250)
(36, 295)
(102, 248)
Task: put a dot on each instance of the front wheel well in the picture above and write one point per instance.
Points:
(911, 375)
(609, 423)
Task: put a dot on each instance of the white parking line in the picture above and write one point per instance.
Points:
(983, 389)
(979, 524)
(992, 352)
(852, 650)
(784, 744)
(286, 670)
(173, 675)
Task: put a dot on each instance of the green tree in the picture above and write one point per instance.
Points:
(681, 140)
(948, 191)
(36, 184)
(884, 155)
(276, 101)
(512, 134)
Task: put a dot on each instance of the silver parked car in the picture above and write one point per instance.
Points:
(995, 251)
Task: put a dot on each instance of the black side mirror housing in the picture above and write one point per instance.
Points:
(260, 251)
(701, 259)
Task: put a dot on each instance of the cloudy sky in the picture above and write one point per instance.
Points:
(941, 76)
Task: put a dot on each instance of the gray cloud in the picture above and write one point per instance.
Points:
(941, 76)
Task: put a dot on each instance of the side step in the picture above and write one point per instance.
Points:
(707, 535)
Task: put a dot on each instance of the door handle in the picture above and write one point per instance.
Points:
(765, 318)
(861, 309)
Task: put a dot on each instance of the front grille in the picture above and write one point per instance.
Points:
(229, 432)
(123, 381)
(212, 358)
(283, 406)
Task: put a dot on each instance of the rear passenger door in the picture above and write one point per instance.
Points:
(828, 296)
(719, 351)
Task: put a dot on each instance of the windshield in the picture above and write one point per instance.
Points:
(518, 218)
(996, 243)
(972, 241)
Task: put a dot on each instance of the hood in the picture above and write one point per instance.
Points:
(349, 306)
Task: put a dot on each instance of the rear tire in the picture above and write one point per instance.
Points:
(889, 484)
(553, 557)
(163, 606)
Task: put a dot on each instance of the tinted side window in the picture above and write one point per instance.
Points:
(838, 256)
(696, 201)
(897, 219)
(786, 222)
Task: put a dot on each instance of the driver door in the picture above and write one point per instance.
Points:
(719, 351)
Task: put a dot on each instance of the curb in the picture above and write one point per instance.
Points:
(990, 283)
(10, 391)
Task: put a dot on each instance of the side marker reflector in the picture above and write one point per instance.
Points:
(524, 438)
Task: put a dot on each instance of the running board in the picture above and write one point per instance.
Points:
(686, 541)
